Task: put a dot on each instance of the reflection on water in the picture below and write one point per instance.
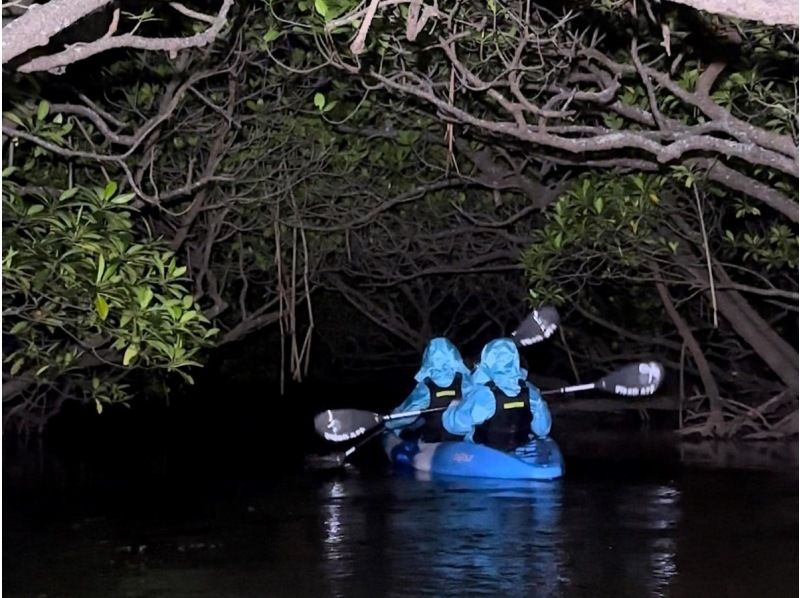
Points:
(502, 536)
(497, 537)
(600, 531)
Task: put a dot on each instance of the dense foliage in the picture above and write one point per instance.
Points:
(412, 165)
(85, 298)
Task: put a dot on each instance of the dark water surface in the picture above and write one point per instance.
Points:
(170, 526)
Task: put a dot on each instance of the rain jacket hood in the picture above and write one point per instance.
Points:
(440, 362)
(500, 364)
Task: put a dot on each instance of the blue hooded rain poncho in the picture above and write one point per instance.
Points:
(499, 364)
(441, 361)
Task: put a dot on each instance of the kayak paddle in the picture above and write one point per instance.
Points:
(334, 460)
(340, 425)
(540, 324)
(634, 380)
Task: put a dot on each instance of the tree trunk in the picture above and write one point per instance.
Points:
(778, 354)
(703, 367)
(757, 333)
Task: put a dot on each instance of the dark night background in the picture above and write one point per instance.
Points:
(288, 217)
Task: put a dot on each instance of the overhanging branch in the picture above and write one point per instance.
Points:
(771, 12)
(41, 22)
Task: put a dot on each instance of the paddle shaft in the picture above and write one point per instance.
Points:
(576, 388)
(392, 416)
(557, 391)
(361, 443)
(379, 430)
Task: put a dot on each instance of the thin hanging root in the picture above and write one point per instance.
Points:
(302, 358)
(292, 310)
(307, 287)
(682, 388)
(450, 130)
(708, 256)
(281, 298)
(300, 353)
(569, 355)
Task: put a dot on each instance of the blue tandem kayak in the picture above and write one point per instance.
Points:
(540, 459)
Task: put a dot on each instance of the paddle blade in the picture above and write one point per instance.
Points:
(540, 324)
(340, 425)
(635, 380)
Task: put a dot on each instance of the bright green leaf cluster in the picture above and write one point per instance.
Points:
(81, 285)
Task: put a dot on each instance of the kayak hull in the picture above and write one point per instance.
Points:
(540, 459)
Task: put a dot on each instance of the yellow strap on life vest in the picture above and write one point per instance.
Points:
(445, 393)
(514, 405)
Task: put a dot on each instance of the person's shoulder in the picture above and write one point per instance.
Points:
(480, 390)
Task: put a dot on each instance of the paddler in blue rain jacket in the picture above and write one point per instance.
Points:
(502, 408)
(442, 379)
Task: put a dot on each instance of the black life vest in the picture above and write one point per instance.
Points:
(510, 426)
(433, 430)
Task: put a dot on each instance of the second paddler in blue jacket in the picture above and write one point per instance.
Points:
(502, 408)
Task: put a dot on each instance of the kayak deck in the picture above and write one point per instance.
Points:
(540, 459)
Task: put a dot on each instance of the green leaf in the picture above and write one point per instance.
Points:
(321, 7)
(18, 327)
(130, 353)
(109, 190)
(145, 298)
(188, 301)
(14, 118)
(673, 246)
(162, 347)
(101, 268)
(101, 306)
(189, 380)
(68, 193)
(99, 406)
(179, 271)
(44, 109)
(319, 100)
(122, 199)
(272, 35)
(35, 209)
(174, 311)
(17, 366)
(126, 317)
(598, 204)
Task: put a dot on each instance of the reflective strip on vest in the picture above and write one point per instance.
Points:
(445, 393)
(514, 405)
